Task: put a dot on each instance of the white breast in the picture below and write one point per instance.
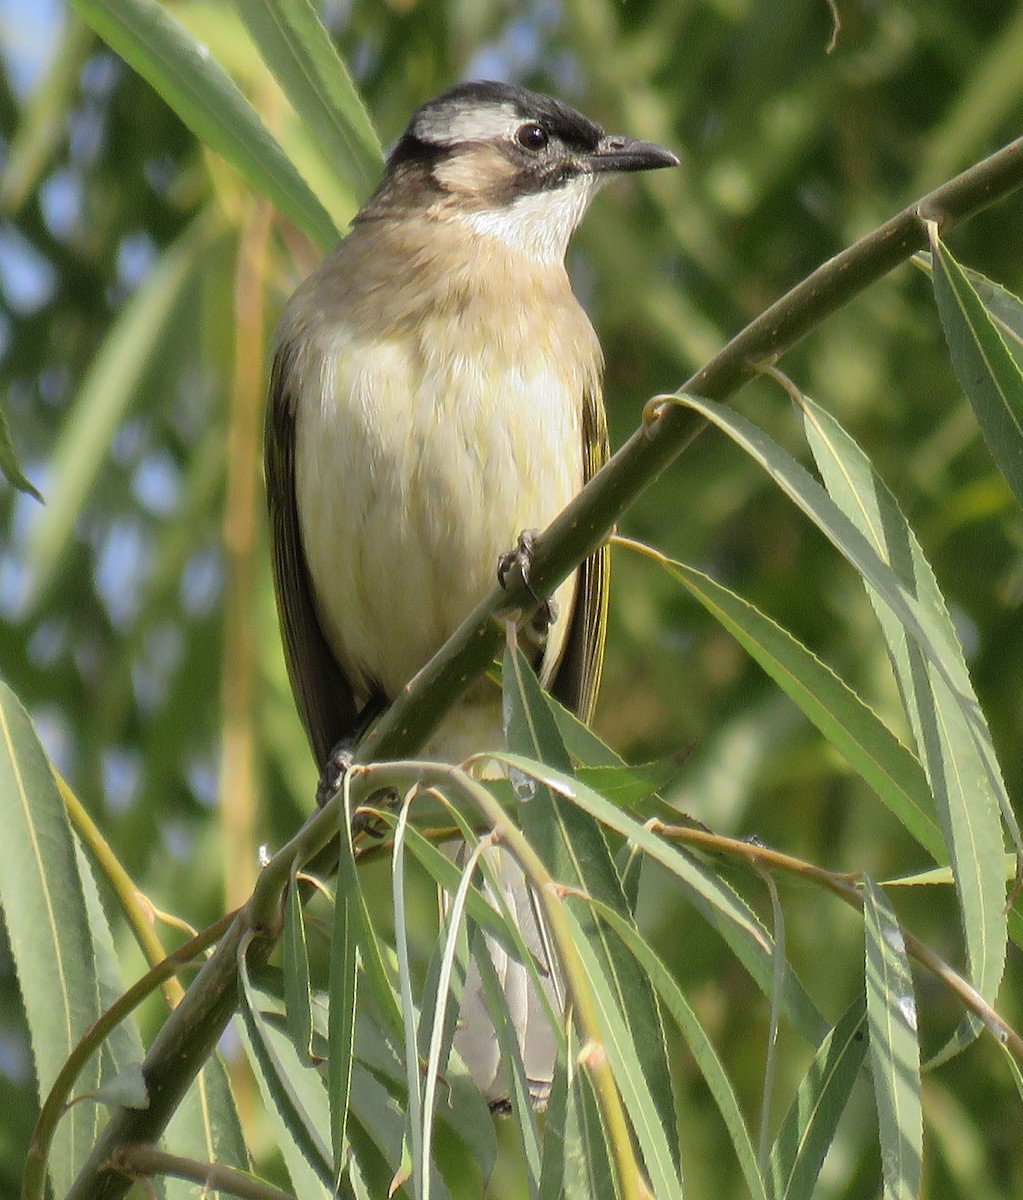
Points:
(418, 462)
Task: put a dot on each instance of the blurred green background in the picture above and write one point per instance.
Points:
(136, 617)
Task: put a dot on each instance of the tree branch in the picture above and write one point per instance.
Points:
(191, 1031)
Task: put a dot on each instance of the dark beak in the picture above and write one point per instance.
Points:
(626, 154)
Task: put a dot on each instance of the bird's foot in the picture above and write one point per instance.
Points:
(522, 557)
(336, 768)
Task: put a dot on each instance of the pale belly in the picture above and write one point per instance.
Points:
(413, 477)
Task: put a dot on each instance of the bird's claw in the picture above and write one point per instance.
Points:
(335, 769)
(522, 557)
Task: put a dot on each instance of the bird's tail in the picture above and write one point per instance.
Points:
(476, 1039)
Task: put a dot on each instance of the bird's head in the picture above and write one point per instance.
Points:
(510, 163)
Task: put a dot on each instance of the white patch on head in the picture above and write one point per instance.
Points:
(539, 224)
(451, 124)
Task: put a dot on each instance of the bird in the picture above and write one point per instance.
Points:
(435, 391)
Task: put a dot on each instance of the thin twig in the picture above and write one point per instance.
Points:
(846, 887)
(145, 1161)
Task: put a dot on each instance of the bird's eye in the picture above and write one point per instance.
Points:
(531, 136)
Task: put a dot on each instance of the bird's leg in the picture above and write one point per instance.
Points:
(335, 769)
(522, 557)
(340, 759)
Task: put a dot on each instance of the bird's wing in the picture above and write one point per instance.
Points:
(325, 697)
(577, 679)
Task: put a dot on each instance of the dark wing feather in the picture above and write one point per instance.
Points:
(324, 695)
(577, 680)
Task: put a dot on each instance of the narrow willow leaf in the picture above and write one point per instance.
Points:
(344, 994)
(675, 1004)
(1014, 1069)
(413, 1077)
(206, 1126)
(378, 1120)
(952, 736)
(720, 906)
(154, 43)
(297, 987)
(375, 974)
(659, 1146)
(300, 53)
(809, 1126)
(974, 840)
(10, 467)
(434, 1021)
(987, 371)
(894, 1047)
(47, 919)
(296, 1099)
(627, 785)
(582, 744)
(574, 849)
(110, 386)
(523, 1110)
(1003, 307)
(838, 712)
(808, 495)
(123, 1047)
(127, 1088)
(576, 1162)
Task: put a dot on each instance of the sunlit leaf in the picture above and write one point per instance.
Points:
(953, 739)
(809, 1127)
(576, 852)
(150, 39)
(987, 371)
(849, 724)
(297, 1099)
(894, 1047)
(47, 922)
(314, 77)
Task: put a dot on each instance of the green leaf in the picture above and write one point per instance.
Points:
(720, 906)
(987, 371)
(295, 1096)
(10, 467)
(123, 1047)
(206, 1126)
(297, 987)
(576, 1164)
(47, 919)
(894, 1047)
(961, 788)
(127, 1088)
(435, 1029)
(413, 1075)
(628, 785)
(574, 849)
(809, 1126)
(523, 1111)
(371, 955)
(153, 42)
(952, 736)
(299, 52)
(344, 997)
(1003, 307)
(837, 711)
(636, 1081)
(678, 1008)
